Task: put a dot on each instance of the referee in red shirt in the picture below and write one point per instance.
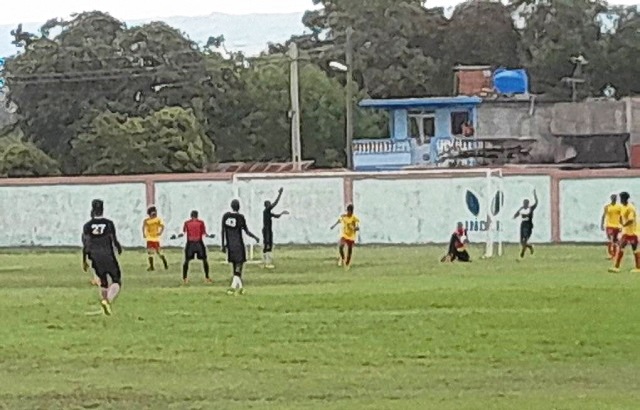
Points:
(196, 231)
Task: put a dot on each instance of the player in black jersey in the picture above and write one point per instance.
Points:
(267, 230)
(526, 225)
(234, 225)
(99, 244)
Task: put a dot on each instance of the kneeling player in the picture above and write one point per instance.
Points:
(195, 248)
(99, 240)
(458, 246)
(350, 227)
(629, 236)
(152, 230)
(234, 225)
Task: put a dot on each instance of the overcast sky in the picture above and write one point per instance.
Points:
(42, 10)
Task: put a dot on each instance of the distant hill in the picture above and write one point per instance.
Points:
(247, 33)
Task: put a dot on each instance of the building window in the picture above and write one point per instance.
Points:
(458, 121)
(422, 127)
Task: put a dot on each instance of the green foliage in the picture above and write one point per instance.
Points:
(96, 67)
(169, 140)
(261, 131)
(97, 64)
(19, 158)
(554, 32)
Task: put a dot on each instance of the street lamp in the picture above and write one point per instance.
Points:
(337, 66)
(348, 69)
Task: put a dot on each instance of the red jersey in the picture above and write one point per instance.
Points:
(461, 238)
(195, 230)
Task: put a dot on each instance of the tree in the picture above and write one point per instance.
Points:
(169, 140)
(97, 64)
(399, 44)
(553, 32)
(20, 158)
(620, 68)
(482, 32)
(261, 131)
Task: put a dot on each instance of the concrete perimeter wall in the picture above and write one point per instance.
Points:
(395, 208)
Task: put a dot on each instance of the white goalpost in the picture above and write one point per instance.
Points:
(494, 204)
(484, 226)
(487, 225)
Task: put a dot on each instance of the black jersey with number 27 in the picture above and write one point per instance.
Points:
(100, 236)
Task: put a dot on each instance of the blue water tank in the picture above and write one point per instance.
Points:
(511, 81)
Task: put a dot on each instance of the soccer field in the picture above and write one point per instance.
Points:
(398, 331)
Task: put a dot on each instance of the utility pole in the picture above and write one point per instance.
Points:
(296, 150)
(349, 101)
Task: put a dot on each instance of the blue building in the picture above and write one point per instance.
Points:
(420, 130)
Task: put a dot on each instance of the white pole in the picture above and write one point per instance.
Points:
(349, 99)
(490, 222)
(501, 187)
(295, 108)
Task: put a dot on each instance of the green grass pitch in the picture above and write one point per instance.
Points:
(398, 331)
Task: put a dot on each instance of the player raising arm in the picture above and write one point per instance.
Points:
(234, 225)
(629, 235)
(526, 225)
(610, 223)
(99, 242)
(350, 227)
(195, 230)
(458, 246)
(267, 230)
(152, 230)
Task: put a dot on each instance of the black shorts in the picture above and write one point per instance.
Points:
(526, 229)
(267, 240)
(105, 267)
(195, 250)
(236, 253)
(461, 255)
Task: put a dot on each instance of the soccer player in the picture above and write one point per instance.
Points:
(526, 225)
(152, 230)
(99, 242)
(458, 246)
(350, 227)
(195, 230)
(610, 223)
(267, 230)
(234, 225)
(95, 281)
(629, 235)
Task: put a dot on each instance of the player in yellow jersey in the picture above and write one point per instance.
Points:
(350, 227)
(610, 223)
(629, 235)
(152, 230)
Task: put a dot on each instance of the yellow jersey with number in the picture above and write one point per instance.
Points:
(153, 228)
(629, 224)
(349, 226)
(612, 215)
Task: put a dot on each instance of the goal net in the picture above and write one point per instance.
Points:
(477, 195)
(483, 191)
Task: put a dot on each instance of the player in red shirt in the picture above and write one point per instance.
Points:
(458, 246)
(196, 231)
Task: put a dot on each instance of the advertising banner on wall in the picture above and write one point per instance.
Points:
(413, 211)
